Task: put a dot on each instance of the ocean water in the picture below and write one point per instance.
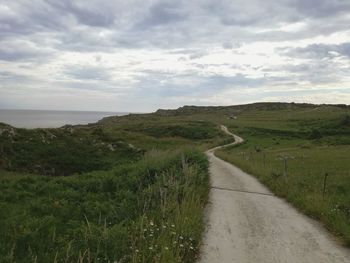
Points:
(51, 119)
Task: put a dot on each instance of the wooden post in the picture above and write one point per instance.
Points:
(324, 185)
(285, 167)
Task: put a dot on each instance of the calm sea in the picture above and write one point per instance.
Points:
(51, 119)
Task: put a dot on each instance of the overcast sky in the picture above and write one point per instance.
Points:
(131, 55)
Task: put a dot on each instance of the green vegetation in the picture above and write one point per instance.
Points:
(312, 143)
(128, 189)
(60, 151)
(131, 192)
(150, 211)
(190, 130)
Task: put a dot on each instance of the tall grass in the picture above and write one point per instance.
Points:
(150, 211)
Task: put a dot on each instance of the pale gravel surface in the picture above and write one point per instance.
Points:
(246, 223)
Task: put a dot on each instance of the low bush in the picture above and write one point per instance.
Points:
(191, 130)
(60, 152)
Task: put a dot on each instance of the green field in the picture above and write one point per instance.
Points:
(133, 188)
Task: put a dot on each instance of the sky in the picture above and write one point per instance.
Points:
(138, 56)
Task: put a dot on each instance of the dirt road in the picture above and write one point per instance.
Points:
(247, 223)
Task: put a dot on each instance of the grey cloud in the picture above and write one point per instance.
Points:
(31, 17)
(317, 51)
(19, 50)
(313, 71)
(162, 13)
(15, 55)
(11, 77)
(253, 13)
(239, 80)
(91, 13)
(85, 72)
(191, 84)
(165, 24)
(231, 45)
(88, 86)
(321, 8)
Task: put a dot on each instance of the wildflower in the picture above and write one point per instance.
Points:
(151, 223)
(173, 233)
(164, 226)
(166, 248)
(172, 225)
(150, 248)
(151, 235)
(181, 237)
(191, 247)
(137, 251)
(181, 245)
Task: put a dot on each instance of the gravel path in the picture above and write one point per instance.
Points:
(247, 223)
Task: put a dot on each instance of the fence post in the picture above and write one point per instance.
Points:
(285, 167)
(324, 185)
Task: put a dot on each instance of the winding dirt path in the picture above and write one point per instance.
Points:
(247, 223)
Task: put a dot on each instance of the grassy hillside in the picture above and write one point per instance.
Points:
(60, 151)
(150, 211)
(79, 149)
(122, 190)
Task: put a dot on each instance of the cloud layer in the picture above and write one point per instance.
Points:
(143, 55)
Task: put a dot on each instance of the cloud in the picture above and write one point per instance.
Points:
(17, 50)
(80, 72)
(318, 51)
(321, 8)
(12, 78)
(92, 13)
(162, 13)
(152, 53)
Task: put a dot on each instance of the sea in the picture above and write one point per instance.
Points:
(31, 119)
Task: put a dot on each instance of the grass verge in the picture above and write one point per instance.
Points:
(296, 171)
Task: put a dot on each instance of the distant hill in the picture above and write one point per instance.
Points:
(238, 108)
(227, 110)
